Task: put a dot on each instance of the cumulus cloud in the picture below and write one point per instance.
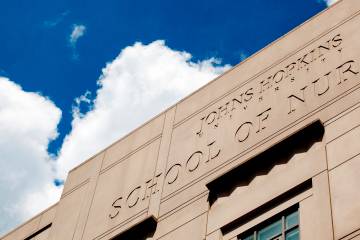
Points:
(139, 83)
(77, 32)
(28, 122)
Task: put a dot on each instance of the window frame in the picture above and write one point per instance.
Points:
(280, 216)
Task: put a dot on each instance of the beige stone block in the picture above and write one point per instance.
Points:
(343, 148)
(179, 217)
(315, 211)
(25, 230)
(123, 192)
(266, 58)
(345, 197)
(187, 192)
(154, 207)
(307, 215)
(43, 235)
(183, 197)
(217, 235)
(293, 174)
(67, 214)
(83, 215)
(356, 238)
(47, 216)
(161, 169)
(339, 107)
(353, 236)
(134, 141)
(229, 128)
(342, 123)
(93, 170)
(193, 230)
(80, 174)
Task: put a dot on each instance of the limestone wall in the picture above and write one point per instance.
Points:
(278, 131)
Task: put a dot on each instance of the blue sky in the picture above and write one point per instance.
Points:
(75, 73)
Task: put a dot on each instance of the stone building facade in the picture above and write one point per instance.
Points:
(268, 150)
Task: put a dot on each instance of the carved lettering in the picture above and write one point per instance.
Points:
(336, 41)
(145, 195)
(152, 188)
(313, 55)
(211, 154)
(265, 84)
(223, 110)
(302, 62)
(239, 100)
(296, 97)
(193, 161)
(347, 67)
(149, 188)
(289, 69)
(318, 83)
(200, 132)
(324, 47)
(211, 117)
(116, 206)
(173, 175)
(322, 85)
(134, 200)
(278, 76)
(249, 94)
(236, 101)
(262, 117)
(243, 131)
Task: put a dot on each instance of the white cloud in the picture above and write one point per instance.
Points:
(141, 82)
(27, 123)
(77, 32)
(330, 2)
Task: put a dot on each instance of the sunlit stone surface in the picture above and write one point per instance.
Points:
(269, 150)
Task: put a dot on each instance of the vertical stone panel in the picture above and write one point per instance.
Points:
(344, 147)
(67, 214)
(154, 206)
(315, 211)
(345, 197)
(193, 230)
(123, 192)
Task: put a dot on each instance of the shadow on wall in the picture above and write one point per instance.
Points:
(141, 231)
(263, 163)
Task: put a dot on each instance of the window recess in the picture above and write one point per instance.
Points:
(262, 165)
(284, 226)
(142, 231)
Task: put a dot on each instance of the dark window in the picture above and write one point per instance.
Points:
(282, 227)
